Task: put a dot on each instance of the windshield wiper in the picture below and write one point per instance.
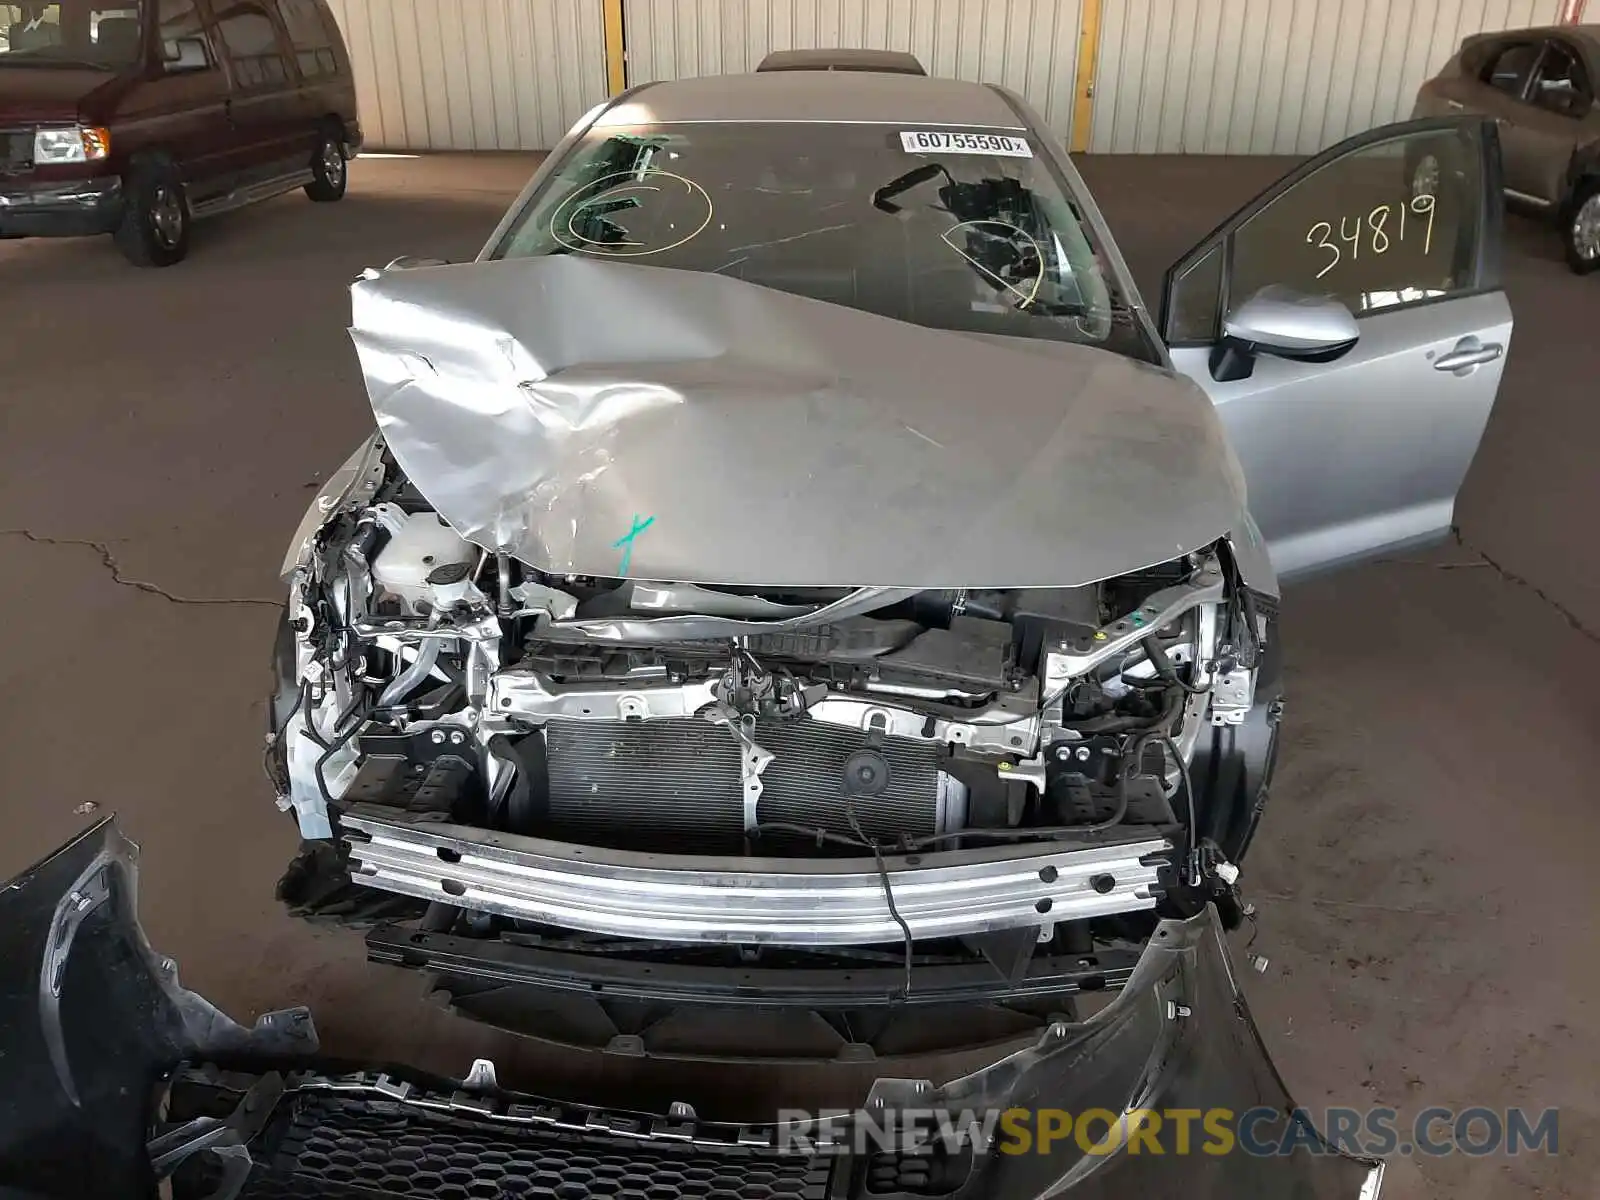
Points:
(693, 627)
(883, 198)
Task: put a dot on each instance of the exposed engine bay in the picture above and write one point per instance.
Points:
(744, 767)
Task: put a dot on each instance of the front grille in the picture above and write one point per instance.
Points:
(612, 779)
(340, 1148)
(16, 151)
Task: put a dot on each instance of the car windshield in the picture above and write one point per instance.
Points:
(77, 33)
(964, 230)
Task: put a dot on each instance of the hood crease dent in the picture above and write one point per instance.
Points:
(600, 418)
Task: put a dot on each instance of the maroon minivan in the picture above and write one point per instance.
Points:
(135, 117)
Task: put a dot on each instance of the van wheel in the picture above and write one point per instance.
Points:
(1580, 228)
(155, 219)
(330, 170)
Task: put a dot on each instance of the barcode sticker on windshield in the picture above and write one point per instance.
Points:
(941, 142)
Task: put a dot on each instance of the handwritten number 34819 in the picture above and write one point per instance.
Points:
(1374, 230)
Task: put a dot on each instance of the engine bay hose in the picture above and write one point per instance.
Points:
(403, 684)
(527, 803)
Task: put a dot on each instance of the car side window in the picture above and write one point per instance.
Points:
(1509, 68)
(1395, 222)
(307, 26)
(251, 41)
(1196, 299)
(1561, 85)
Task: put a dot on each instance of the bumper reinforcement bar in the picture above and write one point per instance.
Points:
(780, 901)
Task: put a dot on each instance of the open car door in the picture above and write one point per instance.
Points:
(1351, 329)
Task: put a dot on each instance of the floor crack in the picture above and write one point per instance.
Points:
(109, 561)
(1483, 560)
(1567, 614)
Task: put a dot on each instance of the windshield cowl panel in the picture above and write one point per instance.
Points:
(964, 230)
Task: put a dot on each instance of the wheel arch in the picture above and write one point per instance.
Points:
(332, 122)
(1234, 764)
(1582, 167)
(147, 157)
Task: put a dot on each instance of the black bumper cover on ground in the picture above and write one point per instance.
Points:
(92, 1020)
(94, 1029)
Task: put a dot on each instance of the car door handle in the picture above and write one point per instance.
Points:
(1468, 353)
(1455, 105)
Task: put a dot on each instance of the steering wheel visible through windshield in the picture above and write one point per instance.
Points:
(966, 231)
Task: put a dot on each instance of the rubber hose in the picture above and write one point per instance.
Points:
(402, 684)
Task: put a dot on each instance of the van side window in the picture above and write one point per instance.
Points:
(251, 41)
(307, 26)
(179, 19)
(1508, 72)
(1561, 85)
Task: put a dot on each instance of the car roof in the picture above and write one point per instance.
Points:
(820, 96)
(1581, 33)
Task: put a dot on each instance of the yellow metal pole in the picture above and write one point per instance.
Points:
(616, 48)
(1088, 56)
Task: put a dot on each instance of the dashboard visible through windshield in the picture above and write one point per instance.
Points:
(965, 230)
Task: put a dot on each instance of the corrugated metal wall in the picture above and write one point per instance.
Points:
(473, 74)
(1274, 76)
(1028, 45)
(1173, 76)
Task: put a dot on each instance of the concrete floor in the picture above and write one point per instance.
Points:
(1425, 874)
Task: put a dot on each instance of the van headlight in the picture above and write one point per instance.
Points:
(73, 144)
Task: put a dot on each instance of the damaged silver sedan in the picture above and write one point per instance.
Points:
(792, 561)
(747, 699)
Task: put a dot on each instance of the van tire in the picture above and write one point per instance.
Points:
(1577, 224)
(330, 170)
(154, 230)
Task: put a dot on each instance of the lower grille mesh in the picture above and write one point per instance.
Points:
(336, 1147)
(681, 776)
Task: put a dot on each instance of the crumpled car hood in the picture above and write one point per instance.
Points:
(612, 419)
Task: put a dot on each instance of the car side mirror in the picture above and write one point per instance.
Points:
(1285, 323)
(184, 54)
